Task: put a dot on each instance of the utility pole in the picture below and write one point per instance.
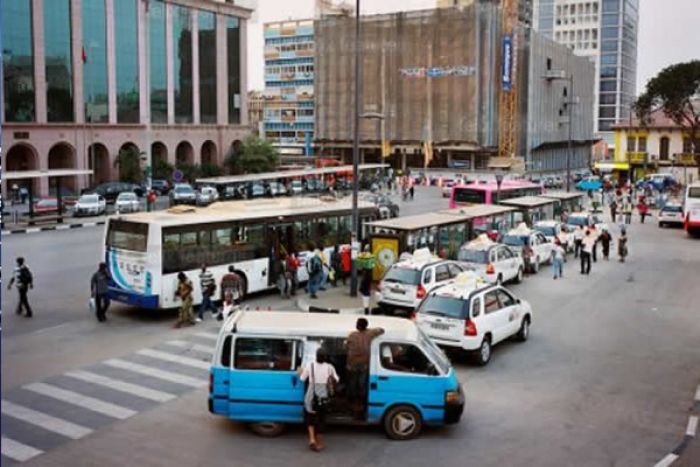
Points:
(570, 151)
(355, 234)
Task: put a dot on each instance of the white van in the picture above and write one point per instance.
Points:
(691, 209)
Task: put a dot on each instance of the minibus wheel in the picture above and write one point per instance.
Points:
(267, 429)
(402, 422)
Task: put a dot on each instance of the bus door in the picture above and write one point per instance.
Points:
(281, 242)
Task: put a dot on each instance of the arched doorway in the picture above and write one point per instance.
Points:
(663, 148)
(62, 156)
(22, 157)
(209, 155)
(98, 162)
(129, 162)
(159, 152)
(184, 154)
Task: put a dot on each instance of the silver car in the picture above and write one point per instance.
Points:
(127, 202)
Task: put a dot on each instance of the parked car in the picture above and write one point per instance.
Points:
(586, 219)
(110, 190)
(182, 193)
(256, 190)
(407, 282)
(671, 214)
(297, 187)
(494, 262)
(90, 205)
(207, 195)
(276, 189)
(522, 236)
(127, 202)
(590, 183)
(161, 187)
(471, 316)
(387, 208)
(556, 229)
(45, 206)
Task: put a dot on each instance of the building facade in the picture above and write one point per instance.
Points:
(525, 7)
(606, 32)
(255, 112)
(85, 79)
(289, 86)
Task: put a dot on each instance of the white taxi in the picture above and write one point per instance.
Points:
(494, 262)
(522, 237)
(556, 229)
(671, 214)
(472, 316)
(407, 282)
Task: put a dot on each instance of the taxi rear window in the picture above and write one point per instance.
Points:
(403, 276)
(449, 307)
(473, 256)
(672, 208)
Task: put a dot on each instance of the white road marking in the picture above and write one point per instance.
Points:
(62, 227)
(168, 357)
(188, 345)
(34, 230)
(692, 425)
(89, 224)
(697, 394)
(666, 461)
(156, 373)
(57, 425)
(86, 402)
(18, 451)
(123, 386)
(207, 335)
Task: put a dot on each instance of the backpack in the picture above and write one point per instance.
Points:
(25, 275)
(314, 265)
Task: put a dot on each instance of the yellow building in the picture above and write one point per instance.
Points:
(659, 146)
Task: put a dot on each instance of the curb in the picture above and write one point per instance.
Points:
(690, 433)
(51, 227)
(305, 306)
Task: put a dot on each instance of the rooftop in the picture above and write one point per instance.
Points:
(528, 201)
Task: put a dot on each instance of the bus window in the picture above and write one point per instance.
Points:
(188, 239)
(344, 229)
(226, 352)
(204, 239)
(303, 242)
(255, 238)
(171, 241)
(467, 195)
(132, 236)
(263, 354)
(223, 238)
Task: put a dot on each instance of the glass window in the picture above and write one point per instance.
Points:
(207, 66)
(427, 276)
(59, 65)
(450, 307)
(158, 62)
(491, 302)
(611, 20)
(505, 298)
(127, 61)
(182, 57)
(405, 358)
(17, 60)
(631, 143)
(454, 269)
(607, 112)
(442, 273)
(226, 352)
(132, 236)
(642, 144)
(476, 307)
(402, 275)
(264, 354)
(608, 86)
(610, 99)
(608, 60)
(95, 61)
(611, 6)
(608, 72)
(302, 239)
(610, 33)
(234, 69)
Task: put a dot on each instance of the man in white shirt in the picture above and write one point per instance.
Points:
(578, 237)
(587, 245)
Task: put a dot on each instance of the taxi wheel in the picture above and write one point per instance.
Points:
(499, 280)
(483, 355)
(402, 422)
(536, 265)
(519, 276)
(267, 429)
(524, 331)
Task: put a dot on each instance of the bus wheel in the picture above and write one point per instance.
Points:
(267, 429)
(402, 422)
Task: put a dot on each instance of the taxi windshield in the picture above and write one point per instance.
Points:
(578, 220)
(450, 307)
(547, 231)
(515, 240)
(473, 256)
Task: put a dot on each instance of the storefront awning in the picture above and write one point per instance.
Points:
(22, 174)
(610, 166)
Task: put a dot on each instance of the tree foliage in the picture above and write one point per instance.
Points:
(162, 169)
(675, 91)
(256, 156)
(129, 163)
(210, 170)
(190, 172)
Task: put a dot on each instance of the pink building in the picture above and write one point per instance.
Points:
(83, 79)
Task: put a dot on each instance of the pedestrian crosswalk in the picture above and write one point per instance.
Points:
(40, 416)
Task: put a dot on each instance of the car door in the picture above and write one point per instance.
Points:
(492, 321)
(509, 313)
(263, 383)
(507, 265)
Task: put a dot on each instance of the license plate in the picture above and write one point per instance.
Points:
(440, 326)
(399, 291)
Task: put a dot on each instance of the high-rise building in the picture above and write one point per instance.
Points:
(289, 86)
(524, 7)
(85, 79)
(606, 32)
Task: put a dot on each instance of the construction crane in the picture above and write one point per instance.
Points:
(508, 99)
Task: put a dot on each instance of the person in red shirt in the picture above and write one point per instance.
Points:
(643, 208)
(292, 268)
(346, 262)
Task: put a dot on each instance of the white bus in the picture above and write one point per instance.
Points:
(691, 209)
(145, 251)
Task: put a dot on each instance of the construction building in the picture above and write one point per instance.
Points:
(430, 86)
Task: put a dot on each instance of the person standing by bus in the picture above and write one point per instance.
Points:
(208, 286)
(22, 277)
(232, 283)
(99, 287)
(314, 267)
(293, 268)
(184, 291)
(358, 346)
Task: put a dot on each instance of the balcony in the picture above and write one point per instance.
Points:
(684, 158)
(636, 157)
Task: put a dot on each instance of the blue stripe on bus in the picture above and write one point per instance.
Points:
(125, 296)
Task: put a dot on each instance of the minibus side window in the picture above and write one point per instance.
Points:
(262, 353)
(226, 352)
(406, 358)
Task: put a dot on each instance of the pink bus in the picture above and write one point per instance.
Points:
(484, 192)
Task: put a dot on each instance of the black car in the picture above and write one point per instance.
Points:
(161, 187)
(111, 190)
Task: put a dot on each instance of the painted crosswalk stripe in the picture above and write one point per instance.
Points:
(188, 345)
(206, 335)
(666, 461)
(18, 451)
(57, 425)
(697, 394)
(86, 402)
(168, 357)
(156, 373)
(692, 425)
(122, 386)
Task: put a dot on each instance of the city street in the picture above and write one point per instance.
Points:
(607, 377)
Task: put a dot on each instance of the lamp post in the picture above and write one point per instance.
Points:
(355, 234)
(560, 75)
(499, 180)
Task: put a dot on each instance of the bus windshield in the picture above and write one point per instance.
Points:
(125, 235)
(468, 195)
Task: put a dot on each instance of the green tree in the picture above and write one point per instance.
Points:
(129, 163)
(190, 172)
(162, 169)
(257, 156)
(210, 170)
(675, 91)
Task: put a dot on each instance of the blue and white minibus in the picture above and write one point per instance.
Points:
(254, 372)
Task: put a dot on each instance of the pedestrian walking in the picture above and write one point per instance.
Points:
(366, 290)
(293, 268)
(227, 307)
(208, 286)
(613, 209)
(336, 269)
(586, 252)
(627, 210)
(314, 267)
(578, 238)
(99, 288)
(643, 209)
(282, 276)
(605, 240)
(321, 377)
(358, 346)
(346, 262)
(325, 269)
(558, 256)
(595, 234)
(184, 292)
(622, 245)
(22, 278)
(232, 283)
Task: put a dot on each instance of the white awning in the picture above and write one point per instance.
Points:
(23, 174)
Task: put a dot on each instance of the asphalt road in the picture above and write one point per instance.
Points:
(607, 377)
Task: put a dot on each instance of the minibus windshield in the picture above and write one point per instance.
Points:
(434, 352)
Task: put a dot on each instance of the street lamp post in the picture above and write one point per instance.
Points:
(355, 234)
(499, 180)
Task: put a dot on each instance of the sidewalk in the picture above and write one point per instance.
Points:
(332, 300)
